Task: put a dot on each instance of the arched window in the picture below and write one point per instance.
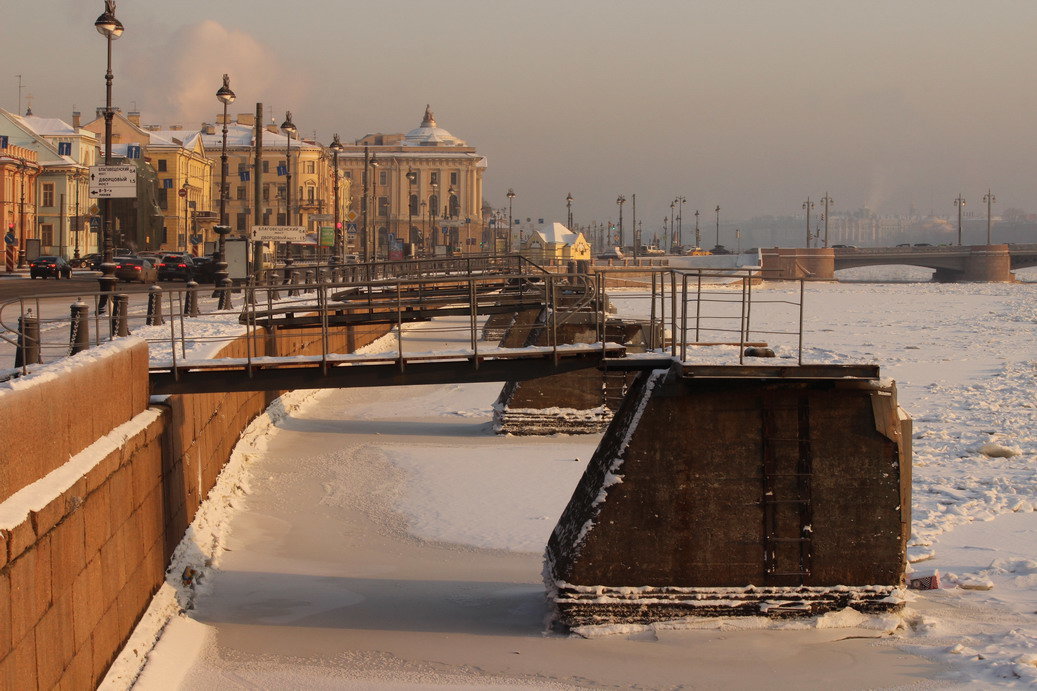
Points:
(455, 206)
(433, 204)
(413, 205)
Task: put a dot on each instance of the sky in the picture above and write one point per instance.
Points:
(746, 104)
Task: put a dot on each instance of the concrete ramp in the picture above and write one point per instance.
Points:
(738, 493)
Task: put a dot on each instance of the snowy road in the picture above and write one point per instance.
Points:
(387, 539)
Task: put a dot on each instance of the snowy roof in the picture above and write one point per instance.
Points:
(557, 233)
(48, 126)
(188, 138)
(429, 134)
(243, 135)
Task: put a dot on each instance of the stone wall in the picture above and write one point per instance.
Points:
(79, 566)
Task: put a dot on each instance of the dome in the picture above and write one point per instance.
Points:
(429, 134)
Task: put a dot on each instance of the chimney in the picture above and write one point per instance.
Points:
(176, 128)
(76, 119)
(208, 129)
(134, 117)
(247, 119)
(273, 128)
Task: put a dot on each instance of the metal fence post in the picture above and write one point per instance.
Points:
(79, 328)
(191, 299)
(28, 352)
(155, 306)
(120, 315)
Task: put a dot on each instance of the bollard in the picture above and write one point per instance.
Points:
(191, 300)
(28, 352)
(79, 328)
(224, 290)
(272, 282)
(309, 281)
(292, 281)
(120, 315)
(155, 306)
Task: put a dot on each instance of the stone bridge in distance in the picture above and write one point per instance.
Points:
(982, 263)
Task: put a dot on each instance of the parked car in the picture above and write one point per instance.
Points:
(176, 266)
(49, 265)
(86, 261)
(137, 269)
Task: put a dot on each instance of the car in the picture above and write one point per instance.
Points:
(904, 244)
(176, 266)
(844, 247)
(139, 269)
(922, 244)
(49, 265)
(204, 269)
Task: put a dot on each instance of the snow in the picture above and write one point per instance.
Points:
(385, 538)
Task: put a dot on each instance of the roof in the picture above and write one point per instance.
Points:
(557, 233)
(49, 126)
(430, 134)
(239, 135)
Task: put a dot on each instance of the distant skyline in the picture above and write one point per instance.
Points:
(753, 106)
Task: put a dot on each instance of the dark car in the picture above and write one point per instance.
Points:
(204, 269)
(176, 267)
(136, 269)
(49, 265)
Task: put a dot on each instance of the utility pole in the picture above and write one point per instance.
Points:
(257, 192)
(959, 202)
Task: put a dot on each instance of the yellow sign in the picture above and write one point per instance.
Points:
(351, 216)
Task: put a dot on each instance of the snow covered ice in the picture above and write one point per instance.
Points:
(386, 538)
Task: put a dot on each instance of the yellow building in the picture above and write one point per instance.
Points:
(313, 180)
(184, 173)
(554, 244)
(18, 172)
(425, 189)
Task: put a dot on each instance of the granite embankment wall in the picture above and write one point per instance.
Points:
(97, 487)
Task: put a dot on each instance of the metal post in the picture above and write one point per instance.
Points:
(827, 199)
(959, 202)
(989, 198)
(28, 351)
(79, 328)
(191, 299)
(120, 314)
(257, 194)
(155, 306)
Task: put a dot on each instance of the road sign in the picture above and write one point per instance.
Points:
(352, 228)
(182, 192)
(327, 236)
(322, 217)
(113, 182)
(95, 224)
(278, 234)
(351, 216)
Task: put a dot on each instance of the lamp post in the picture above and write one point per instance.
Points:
(288, 127)
(620, 200)
(959, 202)
(569, 210)
(412, 177)
(111, 28)
(433, 209)
(225, 96)
(808, 205)
(988, 199)
(507, 238)
(698, 233)
(339, 255)
(681, 201)
(425, 227)
(718, 225)
(673, 237)
(827, 201)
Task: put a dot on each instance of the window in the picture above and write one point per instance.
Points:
(162, 165)
(241, 191)
(311, 167)
(455, 206)
(348, 174)
(48, 197)
(413, 210)
(162, 197)
(282, 191)
(242, 219)
(281, 221)
(311, 193)
(266, 166)
(383, 206)
(383, 177)
(266, 193)
(47, 234)
(433, 205)
(453, 178)
(433, 178)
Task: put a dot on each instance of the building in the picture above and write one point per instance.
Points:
(313, 179)
(425, 192)
(184, 186)
(554, 244)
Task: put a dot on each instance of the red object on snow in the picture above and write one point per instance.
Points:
(925, 582)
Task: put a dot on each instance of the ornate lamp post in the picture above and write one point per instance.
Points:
(507, 238)
(827, 201)
(718, 224)
(111, 28)
(288, 127)
(226, 97)
(988, 199)
(681, 201)
(620, 200)
(569, 210)
(808, 205)
(412, 177)
(698, 233)
(339, 254)
(433, 211)
(959, 202)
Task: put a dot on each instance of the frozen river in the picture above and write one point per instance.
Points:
(386, 538)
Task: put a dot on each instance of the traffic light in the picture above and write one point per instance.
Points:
(338, 225)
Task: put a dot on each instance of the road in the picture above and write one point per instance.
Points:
(82, 281)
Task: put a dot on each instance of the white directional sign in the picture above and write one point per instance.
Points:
(113, 182)
(278, 233)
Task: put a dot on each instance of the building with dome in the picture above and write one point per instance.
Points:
(423, 193)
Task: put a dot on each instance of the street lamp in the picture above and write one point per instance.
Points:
(226, 97)
(827, 200)
(412, 177)
(698, 233)
(808, 205)
(681, 201)
(569, 210)
(988, 199)
(433, 210)
(959, 202)
(111, 28)
(340, 245)
(288, 127)
(507, 238)
(620, 200)
(718, 225)
(673, 206)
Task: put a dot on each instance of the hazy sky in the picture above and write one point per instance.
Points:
(752, 104)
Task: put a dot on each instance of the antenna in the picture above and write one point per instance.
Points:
(20, 87)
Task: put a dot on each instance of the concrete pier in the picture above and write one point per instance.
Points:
(731, 493)
(805, 262)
